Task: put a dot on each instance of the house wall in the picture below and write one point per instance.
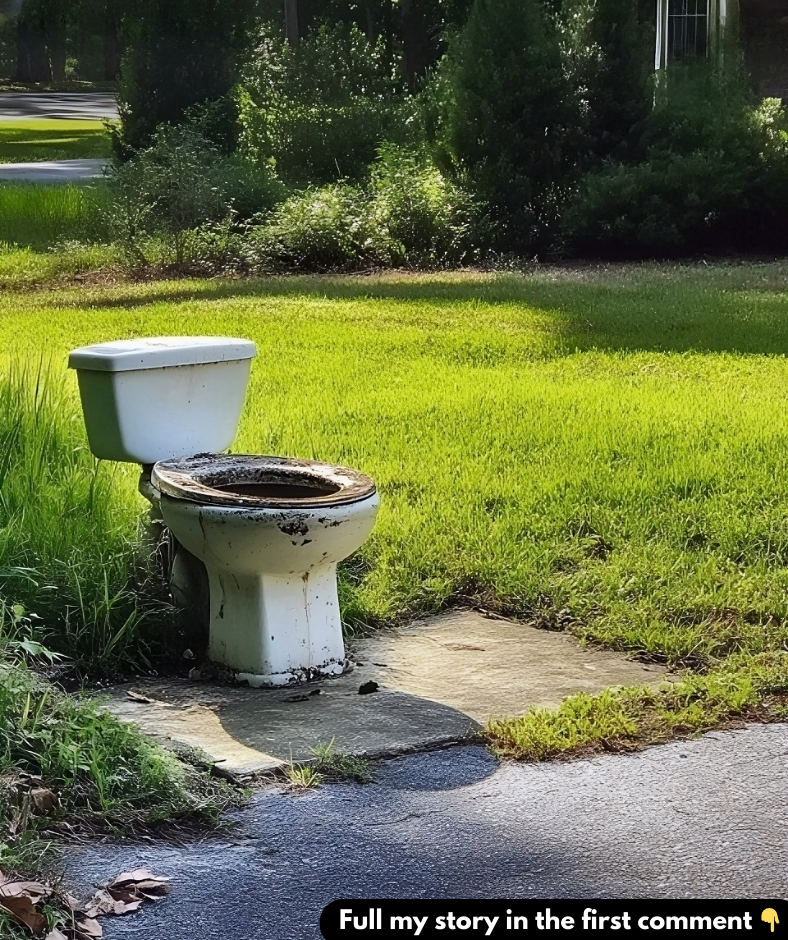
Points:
(764, 34)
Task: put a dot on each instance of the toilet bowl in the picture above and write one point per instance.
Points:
(270, 532)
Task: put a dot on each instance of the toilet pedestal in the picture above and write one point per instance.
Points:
(276, 629)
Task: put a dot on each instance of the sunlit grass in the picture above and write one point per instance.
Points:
(610, 443)
(31, 140)
(37, 215)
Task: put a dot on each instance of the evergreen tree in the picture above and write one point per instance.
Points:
(509, 114)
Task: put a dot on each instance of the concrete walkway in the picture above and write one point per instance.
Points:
(698, 819)
(53, 171)
(82, 106)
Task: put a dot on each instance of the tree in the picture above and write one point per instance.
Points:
(510, 117)
(181, 53)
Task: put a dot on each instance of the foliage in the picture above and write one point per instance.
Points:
(182, 182)
(68, 549)
(712, 174)
(319, 111)
(407, 214)
(180, 53)
(319, 230)
(606, 49)
(427, 219)
(509, 118)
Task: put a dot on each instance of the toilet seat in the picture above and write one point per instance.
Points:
(258, 482)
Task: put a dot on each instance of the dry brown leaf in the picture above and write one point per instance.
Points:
(102, 902)
(31, 889)
(146, 699)
(139, 874)
(44, 800)
(55, 935)
(24, 912)
(88, 929)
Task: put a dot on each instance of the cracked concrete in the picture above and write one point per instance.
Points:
(439, 681)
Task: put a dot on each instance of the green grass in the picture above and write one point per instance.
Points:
(607, 442)
(38, 216)
(32, 140)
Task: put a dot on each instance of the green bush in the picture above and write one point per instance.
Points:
(712, 176)
(324, 229)
(319, 111)
(408, 213)
(509, 116)
(179, 184)
(425, 218)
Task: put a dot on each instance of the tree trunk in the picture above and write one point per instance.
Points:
(416, 42)
(291, 22)
(112, 45)
(23, 41)
(56, 45)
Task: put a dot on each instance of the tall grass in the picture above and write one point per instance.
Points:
(36, 215)
(68, 531)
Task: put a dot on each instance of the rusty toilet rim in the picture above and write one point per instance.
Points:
(208, 479)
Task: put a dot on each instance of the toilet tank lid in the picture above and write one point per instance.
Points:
(159, 352)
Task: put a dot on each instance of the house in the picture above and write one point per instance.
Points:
(690, 28)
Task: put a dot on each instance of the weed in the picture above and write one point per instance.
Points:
(334, 766)
(302, 777)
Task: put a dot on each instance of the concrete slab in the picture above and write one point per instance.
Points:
(53, 171)
(251, 731)
(493, 667)
(440, 680)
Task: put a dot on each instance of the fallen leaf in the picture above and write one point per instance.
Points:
(23, 911)
(55, 935)
(88, 929)
(31, 889)
(43, 799)
(146, 699)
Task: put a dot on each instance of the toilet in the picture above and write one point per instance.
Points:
(270, 531)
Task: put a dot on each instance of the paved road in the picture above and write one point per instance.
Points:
(53, 171)
(699, 819)
(78, 105)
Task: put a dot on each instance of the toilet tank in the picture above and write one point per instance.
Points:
(146, 400)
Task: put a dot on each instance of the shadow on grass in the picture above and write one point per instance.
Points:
(737, 308)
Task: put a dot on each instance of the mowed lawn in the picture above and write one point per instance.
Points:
(31, 140)
(600, 449)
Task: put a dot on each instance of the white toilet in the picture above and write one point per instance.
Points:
(269, 530)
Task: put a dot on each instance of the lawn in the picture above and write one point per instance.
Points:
(31, 140)
(600, 449)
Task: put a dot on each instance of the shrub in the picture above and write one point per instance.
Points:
(324, 229)
(178, 184)
(319, 111)
(607, 53)
(509, 118)
(427, 219)
(712, 175)
(408, 213)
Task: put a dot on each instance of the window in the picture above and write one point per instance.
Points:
(688, 28)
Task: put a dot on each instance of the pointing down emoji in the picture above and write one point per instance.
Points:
(770, 916)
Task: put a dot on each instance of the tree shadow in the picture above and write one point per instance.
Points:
(736, 308)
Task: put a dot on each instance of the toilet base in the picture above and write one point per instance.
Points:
(299, 677)
(276, 630)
